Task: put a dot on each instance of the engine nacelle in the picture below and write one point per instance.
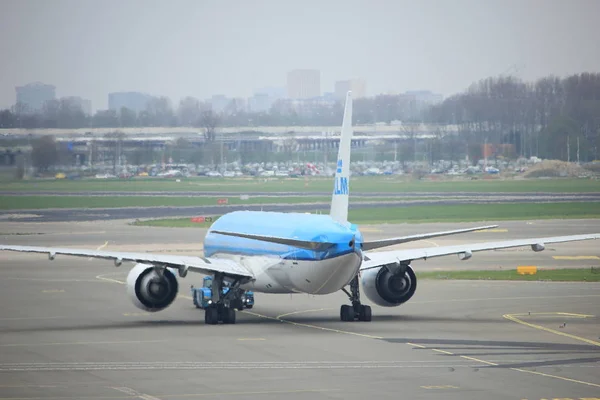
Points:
(388, 286)
(151, 289)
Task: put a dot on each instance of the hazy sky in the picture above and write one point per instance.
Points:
(199, 48)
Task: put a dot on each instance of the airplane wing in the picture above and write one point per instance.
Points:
(464, 251)
(203, 265)
(375, 244)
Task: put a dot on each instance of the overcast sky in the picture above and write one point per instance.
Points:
(199, 48)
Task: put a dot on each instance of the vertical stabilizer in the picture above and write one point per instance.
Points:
(341, 188)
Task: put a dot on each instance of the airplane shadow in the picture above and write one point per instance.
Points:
(464, 344)
(495, 348)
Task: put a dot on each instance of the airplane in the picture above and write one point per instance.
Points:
(278, 252)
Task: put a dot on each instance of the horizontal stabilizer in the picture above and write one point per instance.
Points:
(376, 244)
(303, 244)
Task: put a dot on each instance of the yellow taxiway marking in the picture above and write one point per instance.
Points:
(492, 230)
(443, 352)
(478, 360)
(104, 278)
(576, 257)
(514, 318)
(416, 345)
(99, 248)
(303, 312)
(556, 377)
(313, 326)
(514, 369)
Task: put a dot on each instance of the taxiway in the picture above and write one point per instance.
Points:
(68, 331)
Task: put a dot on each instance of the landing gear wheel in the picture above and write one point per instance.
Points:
(346, 313)
(229, 316)
(364, 313)
(356, 310)
(211, 316)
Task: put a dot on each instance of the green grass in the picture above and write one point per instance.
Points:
(565, 275)
(390, 184)
(476, 212)
(450, 213)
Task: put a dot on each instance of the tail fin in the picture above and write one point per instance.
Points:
(341, 188)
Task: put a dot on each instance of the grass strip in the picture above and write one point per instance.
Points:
(591, 274)
(449, 213)
(390, 184)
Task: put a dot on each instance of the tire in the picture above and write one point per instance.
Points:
(231, 316)
(346, 313)
(211, 316)
(365, 313)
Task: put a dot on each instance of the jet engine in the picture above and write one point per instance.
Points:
(151, 288)
(390, 285)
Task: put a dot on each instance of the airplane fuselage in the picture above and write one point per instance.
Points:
(279, 268)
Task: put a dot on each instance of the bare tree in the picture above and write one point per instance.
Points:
(44, 153)
(209, 120)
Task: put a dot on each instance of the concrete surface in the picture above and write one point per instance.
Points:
(68, 331)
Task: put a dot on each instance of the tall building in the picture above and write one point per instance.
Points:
(32, 97)
(357, 86)
(304, 84)
(135, 101)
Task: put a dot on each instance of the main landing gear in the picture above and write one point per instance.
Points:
(222, 307)
(219, 313)
(356, 310)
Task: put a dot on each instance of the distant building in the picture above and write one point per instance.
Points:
(32, 97)
(357, 86)
(260, 102)
(264, 98)
(84, 104)
(304, 84)
(219, 102)
(274, 92)
(135, 101)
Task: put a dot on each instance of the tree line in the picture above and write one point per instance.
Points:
(550, 118)
(553, 117)
(191, 112)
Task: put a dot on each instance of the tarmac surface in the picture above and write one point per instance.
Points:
(68, 330)
(92, 214)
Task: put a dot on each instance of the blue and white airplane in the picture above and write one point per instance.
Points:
(274, 252)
